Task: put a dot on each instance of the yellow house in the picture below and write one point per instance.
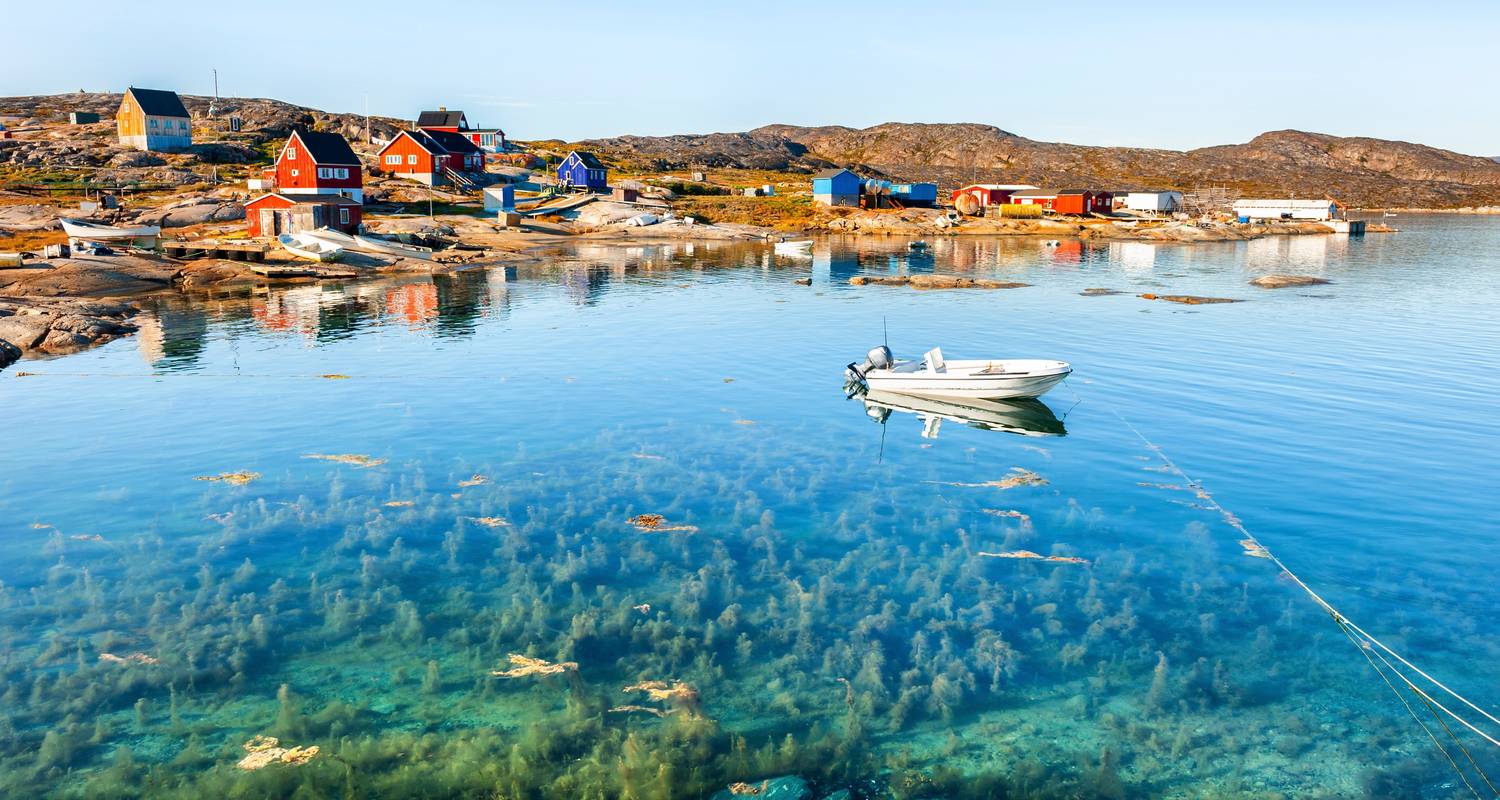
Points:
(153, 119)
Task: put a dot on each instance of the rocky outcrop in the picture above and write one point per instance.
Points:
(933, 282)
(30, 217)
(194, 211)
(32, 326)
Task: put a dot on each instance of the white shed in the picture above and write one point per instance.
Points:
(500, 198)
(1154, 202)
(1286, 209)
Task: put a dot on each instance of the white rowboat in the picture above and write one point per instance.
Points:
(979, 379)
(84, 231)
(309, 247)
(368, 244)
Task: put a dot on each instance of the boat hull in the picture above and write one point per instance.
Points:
(1034, 381)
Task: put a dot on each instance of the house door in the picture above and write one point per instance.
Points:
(268, 222)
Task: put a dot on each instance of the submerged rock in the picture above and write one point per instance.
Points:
(1187, 299)
(786, 787)
(1281, 281)
(934, 282)
(53, 326)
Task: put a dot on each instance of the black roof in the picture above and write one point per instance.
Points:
(158, 102)
(440, 119)
(328, 148)
(454, 142)
(588, 159)
(427, 141)
(1081, 191)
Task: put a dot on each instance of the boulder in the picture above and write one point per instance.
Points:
(9, 354)
(196, 211)
(136, 159)
(1282, 281)
(28, 218)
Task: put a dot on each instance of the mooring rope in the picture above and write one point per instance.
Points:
(1365, 642)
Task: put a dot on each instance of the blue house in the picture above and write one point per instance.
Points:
(836, 187)
(581, 170)
(922, 195)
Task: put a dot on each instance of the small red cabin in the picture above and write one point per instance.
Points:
(319, 163)
(1034, 197)
(273, 214)
(1082, 201)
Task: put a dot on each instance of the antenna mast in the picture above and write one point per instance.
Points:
(213, 105)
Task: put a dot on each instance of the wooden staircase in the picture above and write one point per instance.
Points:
(460, 180)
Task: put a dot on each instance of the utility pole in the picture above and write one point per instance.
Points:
(367, 120)
(213, 105)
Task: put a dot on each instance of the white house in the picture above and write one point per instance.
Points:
(1285, 209)
(1154, 202)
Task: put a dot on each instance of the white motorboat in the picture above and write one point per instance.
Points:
(978, 379)
(12, 260)
(1027, 417)
(79, 230)
(303, 245)
(370, 244)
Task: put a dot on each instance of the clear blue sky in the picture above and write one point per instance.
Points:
(1176, 75)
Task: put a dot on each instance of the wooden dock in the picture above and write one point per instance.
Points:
(232, 251)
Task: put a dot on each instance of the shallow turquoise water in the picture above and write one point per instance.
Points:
(826, 600)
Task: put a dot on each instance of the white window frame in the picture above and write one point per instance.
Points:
(294, 173)
(152, 122)
(342, 173)
(393, 159)
(343, 215)
(411, 159)
(291, 154)
(325, 172)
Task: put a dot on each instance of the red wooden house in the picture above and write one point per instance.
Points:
(319, 163)
(276, 213)
(1034, 197)
(431, 157)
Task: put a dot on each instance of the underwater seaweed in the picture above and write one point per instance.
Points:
(522, 666)
(1018, 477)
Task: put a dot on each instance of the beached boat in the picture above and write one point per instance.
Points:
(79, 230)
(12, 260)
(370, 244)
(309, 247)
(979, 379)
(1027, 417)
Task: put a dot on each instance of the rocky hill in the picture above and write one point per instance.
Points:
(1359, 171)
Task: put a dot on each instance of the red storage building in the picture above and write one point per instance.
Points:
(275, 213)
(1082, 201)
(991, 194)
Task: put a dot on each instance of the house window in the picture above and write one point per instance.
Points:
(394, 159)
(411, 159)
(153, 123)
(294, 173)
(183, 124)
(343, 216)
(342, 173)
(324, 172)
(291, 154)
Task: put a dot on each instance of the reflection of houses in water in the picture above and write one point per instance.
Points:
(416, 303)
(172, 335)
(1133, 257)
(460, 301)
(288, 311)
(1290, 253)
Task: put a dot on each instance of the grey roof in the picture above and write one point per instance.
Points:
(454, 142)
(588, 159)
(441, 119)
(1034, 193)
(829, 173)
(158, 102)
(328, 148)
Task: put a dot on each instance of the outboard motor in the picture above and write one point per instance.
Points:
(878, 358)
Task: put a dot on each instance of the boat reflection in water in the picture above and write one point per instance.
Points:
(1029, 417)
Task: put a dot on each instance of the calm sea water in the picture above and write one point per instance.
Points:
(815, 600)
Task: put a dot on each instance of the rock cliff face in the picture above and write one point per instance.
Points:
(1359, 171)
